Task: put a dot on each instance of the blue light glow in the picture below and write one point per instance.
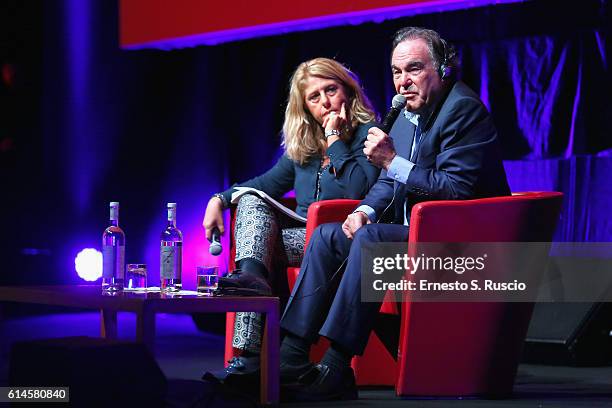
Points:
(88, 264)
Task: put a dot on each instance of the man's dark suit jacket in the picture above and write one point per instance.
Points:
(458, 157)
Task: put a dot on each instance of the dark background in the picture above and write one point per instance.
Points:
(83, 122)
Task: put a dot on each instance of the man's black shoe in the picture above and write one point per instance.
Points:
(329, 384)
(239, 279)
(300, 375)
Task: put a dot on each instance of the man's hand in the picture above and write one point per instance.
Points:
(379, 148)
(353, 222)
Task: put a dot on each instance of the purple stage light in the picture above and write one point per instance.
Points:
(88, 264)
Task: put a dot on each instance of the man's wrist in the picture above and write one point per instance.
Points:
(362, 214)
(367, 210)
(387, 163)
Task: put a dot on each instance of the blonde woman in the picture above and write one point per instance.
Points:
(326, 124)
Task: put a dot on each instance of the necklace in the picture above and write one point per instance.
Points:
(322, 168)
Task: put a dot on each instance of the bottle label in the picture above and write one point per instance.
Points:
(170, 261)
(113, 261)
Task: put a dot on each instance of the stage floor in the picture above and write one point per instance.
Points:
(184, 353)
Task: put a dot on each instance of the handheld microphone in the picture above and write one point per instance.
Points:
(215, 247)
(398, 102)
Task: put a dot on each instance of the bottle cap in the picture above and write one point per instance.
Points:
(171, 205)
(114, 204)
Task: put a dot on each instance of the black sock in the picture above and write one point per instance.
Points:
(253, 267)
(337, 357)
(294, 351)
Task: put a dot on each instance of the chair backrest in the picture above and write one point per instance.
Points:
(522, 217)
(321, 212)
(462, 348)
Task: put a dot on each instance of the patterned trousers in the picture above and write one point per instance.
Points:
(272, 238)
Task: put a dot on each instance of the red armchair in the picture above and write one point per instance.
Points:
(450, 349)
(470, 349)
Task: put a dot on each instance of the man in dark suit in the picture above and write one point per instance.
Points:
(443, 146)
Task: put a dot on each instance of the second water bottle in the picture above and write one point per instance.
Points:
(171, 254)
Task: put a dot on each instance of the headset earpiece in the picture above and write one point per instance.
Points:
(445, 70)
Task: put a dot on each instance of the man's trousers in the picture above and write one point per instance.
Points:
(326, 299)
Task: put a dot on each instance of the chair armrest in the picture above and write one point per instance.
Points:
(322, 212)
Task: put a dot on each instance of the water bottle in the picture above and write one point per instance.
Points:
(113, 253)
(171, 254)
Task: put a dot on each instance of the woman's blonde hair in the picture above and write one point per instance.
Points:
(302, 134)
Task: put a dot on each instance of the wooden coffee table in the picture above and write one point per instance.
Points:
(147, 305)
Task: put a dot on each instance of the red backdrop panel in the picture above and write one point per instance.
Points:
(155, 22)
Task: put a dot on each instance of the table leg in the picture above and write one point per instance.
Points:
(108, 324)
(145, 328)
(270, 376)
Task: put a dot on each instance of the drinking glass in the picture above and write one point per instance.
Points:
(207, 278)
(135, 277)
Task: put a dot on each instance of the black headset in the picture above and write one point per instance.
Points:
(445, 69)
